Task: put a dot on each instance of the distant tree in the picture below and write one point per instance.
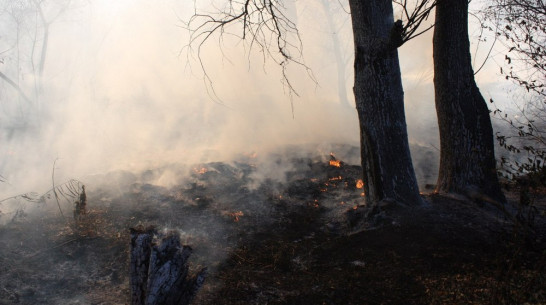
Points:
(386, 160)
(467, 158)
(24, 46)
(337, 48)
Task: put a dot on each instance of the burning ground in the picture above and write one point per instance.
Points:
(294, 235)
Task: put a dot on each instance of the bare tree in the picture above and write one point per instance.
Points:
(341, 59)
(24, 45)
(386, 160)
(467, 158)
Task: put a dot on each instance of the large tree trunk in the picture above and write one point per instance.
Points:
(467, 158)
(386, 160)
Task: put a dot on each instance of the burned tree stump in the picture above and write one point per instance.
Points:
(80, 205)
(159, 272)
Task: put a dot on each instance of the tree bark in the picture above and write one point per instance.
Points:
(467, 158)
(386, 159)
(159, 273)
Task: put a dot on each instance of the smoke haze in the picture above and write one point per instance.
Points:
(118, 92)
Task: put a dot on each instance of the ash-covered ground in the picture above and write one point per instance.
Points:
(285, 231)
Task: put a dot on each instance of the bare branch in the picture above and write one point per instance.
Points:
(261, 25)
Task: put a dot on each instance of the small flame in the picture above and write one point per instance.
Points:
(335, 163)
(359, 184)
(200, 171)
(335, 178)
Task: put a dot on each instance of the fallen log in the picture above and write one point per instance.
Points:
(159, 272)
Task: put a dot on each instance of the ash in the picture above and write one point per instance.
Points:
(275, 232)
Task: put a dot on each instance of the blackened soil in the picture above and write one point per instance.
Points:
(299, 241)
(451, 252)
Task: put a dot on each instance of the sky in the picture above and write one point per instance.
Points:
(120, 91)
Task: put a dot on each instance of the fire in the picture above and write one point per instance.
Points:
(359, 184)
(335, 178)
(335, 163)
(200, 171)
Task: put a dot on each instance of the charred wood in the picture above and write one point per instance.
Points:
(80, 205)
(159, 272)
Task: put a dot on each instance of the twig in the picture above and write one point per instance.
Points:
(51, 248)
(54, 189)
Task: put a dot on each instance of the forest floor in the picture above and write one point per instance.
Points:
(301, 240)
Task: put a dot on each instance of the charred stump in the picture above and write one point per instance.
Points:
(80, 205)
(159, 272)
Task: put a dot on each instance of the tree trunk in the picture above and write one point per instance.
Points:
(338, 54)
(467, 158)
(159, 273)
(386, 159)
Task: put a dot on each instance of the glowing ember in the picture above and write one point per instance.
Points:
(200, 171)
(335, 178)
(236, 215)
(335, 163)
(359, 184)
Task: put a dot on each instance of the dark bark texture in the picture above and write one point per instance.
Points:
(159, 273)
(386, 159)
(467, 158)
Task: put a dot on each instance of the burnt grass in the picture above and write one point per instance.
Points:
(302, 240)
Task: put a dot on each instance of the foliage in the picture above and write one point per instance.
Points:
(521, 27)
(69, 190)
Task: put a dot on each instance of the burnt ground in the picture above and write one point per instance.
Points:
(296, 241)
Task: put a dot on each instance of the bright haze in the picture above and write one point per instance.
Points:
(119, 91)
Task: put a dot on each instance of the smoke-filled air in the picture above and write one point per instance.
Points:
(131, 126)
(120, 89)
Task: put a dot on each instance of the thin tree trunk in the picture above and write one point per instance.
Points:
(340, 62)
(467, 158)
(386, 159)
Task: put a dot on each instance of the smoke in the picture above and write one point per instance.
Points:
(120, 92)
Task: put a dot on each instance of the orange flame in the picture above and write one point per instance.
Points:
(335, 163)
(359, 184)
